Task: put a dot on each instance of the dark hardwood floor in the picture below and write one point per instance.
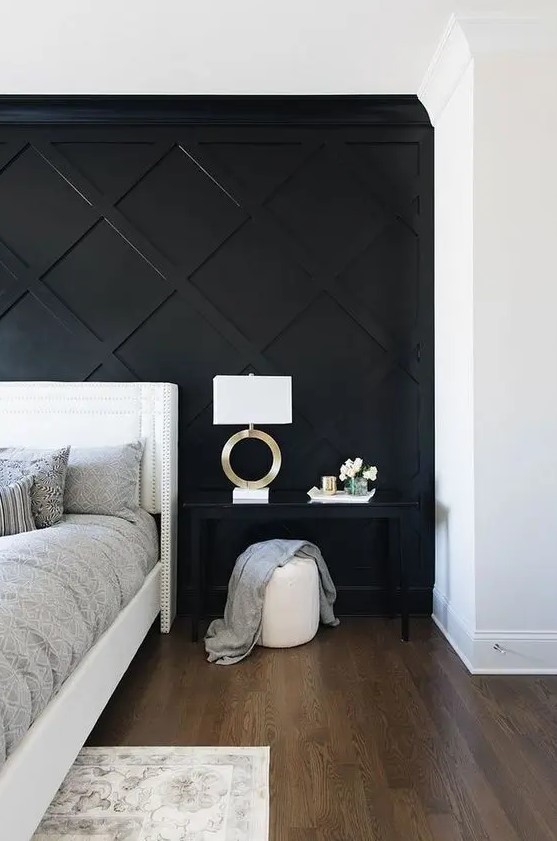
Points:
(371, 739)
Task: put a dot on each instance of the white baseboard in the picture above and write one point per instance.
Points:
(457, 633)
(518, 652)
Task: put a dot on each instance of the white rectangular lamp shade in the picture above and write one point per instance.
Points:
(252, 399)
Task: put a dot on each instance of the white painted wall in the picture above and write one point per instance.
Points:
(454, 363)
(496, 298)
(515, 342)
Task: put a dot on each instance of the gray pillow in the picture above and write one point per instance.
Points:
(48, 468)
(15, 507)
(104, 480)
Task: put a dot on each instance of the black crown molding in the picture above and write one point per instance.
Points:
(216, 110)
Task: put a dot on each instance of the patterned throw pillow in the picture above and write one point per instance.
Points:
(104, 480)
(15, 507)
(48, 468)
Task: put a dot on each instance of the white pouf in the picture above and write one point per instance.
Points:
(291, 606)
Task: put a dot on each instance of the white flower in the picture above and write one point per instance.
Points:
(358, 464)
(344, 470)
(350, 472)
(371, 474)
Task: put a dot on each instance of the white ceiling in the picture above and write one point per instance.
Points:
(228, 46)
(218, 46)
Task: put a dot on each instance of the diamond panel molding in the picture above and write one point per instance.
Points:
(41, 215)
(327, 209)
(46, 349)
(182, 210)
(112, 167)
(251, 263)
(107, 284)
(139, 241)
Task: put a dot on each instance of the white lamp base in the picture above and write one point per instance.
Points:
(249, 495)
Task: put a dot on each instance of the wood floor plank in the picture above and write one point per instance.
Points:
(371, 739)
(410, 816)
(497, 751)
(445, 828)
(474, 803)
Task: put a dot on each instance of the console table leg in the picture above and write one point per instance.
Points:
(195, 560)
(404, 604)
(394, 564)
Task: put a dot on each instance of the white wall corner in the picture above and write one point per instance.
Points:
(450, 61)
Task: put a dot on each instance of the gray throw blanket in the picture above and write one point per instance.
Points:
(231, 639)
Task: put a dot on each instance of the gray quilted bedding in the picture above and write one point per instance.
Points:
(60, 589)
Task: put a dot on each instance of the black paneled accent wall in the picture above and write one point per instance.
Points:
(173, 239)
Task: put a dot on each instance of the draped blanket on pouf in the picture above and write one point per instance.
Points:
(231, 639)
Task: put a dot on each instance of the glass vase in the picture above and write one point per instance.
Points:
(356, 486)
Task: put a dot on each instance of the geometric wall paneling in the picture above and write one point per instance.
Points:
(182, 211)
(383, 278)
(46, 349)
(243, 263)
(257, 208)
(8, 151)
(107, 284)
(327, 210)
(391, 167)
(174, 239)
(388, 436)
(258, 167)
(112, 167)
(10, 290)
(40, 214)
(396, 163)
(112, 371)
(6, 279)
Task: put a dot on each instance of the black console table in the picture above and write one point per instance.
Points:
(202, 512)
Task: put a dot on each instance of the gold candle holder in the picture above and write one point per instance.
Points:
(329, 485)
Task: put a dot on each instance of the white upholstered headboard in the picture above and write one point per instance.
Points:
(50, 414)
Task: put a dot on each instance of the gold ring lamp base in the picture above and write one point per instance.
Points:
(251, 490)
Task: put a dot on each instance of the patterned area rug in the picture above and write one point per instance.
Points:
(162, 794)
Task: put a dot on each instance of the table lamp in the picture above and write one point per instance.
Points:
(251, 399)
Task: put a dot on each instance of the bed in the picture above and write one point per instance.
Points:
(136, 582)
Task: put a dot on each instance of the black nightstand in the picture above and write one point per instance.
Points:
(201, 512)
